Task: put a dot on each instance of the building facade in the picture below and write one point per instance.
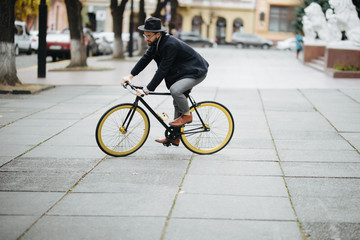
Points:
(214, 19)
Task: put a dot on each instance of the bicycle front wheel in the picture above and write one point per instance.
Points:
(122, 130)
(218, 130)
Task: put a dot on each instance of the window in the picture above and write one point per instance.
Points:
(281, 18)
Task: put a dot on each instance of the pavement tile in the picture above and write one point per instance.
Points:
(309, 169)
(235, 185)
(44, 151)
(36, 182)
(332, 145)
(318, 156)
(313, 209)
(101, 227)
(332, 230)
(234, 168)
(12, 203)
(233, 207)
(214, 229)
(155, 204)
(238, 154)
(305, 135)
(11, 227)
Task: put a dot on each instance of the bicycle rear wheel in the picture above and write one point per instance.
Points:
(217, 134)
(121, 130)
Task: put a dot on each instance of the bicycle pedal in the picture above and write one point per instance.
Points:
(167, 144)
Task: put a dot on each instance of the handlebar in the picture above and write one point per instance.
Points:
(134, 87)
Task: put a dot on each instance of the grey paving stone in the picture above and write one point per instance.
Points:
(233, 207)
(238, 154)
(251, 143)
(215, 229)
(66, 152)
(38, 182)
(308, 169)
(11, 227)
(313, 209)
(234, 168)
(101, 227)
(13, 203)
(148, 203)
(305, 135)
(298, 121)
(333, 145)
(324, 188)
(319, 156)
(235, 185)
(14, 150)
(332, 230)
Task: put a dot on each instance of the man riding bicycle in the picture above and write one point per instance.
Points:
(179, 64)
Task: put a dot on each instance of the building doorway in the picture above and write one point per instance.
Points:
(221, 30)
(196, 24)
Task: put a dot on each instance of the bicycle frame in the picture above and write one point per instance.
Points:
(168, 129)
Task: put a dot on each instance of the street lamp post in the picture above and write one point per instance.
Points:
(42, 39)
(131, 30)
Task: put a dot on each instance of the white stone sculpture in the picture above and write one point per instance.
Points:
(347, 19)
(318, 21)
(332, 23)
(309, 33)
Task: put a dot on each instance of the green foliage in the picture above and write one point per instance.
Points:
(346, 67)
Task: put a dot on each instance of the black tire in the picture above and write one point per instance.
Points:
(117, 140)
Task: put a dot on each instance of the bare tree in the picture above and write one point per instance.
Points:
(117, 12)
(8, 75)
(78, 50)
(142, 18)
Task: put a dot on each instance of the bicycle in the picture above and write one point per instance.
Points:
(124, 128)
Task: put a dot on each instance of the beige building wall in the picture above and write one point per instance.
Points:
(261, 27)
(210, 17)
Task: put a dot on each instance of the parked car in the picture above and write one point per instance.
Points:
(126, 40)
(58, 45)
(34, 40)
(195, 39)
(287, 44)
(110, 37)
(242, 40)
(22, 38)
(105, 42)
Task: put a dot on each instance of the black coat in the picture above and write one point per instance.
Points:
(175, 60)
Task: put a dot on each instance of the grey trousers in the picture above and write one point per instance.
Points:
(177, 90)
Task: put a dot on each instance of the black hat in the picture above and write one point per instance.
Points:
(152, 24)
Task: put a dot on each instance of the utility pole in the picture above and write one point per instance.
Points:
(131, 40)
(42, 39)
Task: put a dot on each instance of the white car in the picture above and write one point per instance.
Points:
(22, 38)
(287, 44)
(34, 40)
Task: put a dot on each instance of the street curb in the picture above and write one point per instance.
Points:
(26, 89)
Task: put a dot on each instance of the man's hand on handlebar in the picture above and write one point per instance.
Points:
(140, 93)
(126, 79)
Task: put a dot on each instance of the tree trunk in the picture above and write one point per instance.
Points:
(117, 12)
(8, 75)
(78, 49)
(174, 6)
(159, 7)
(142, 18)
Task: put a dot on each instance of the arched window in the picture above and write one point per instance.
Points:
(238, 25)
(196, 24)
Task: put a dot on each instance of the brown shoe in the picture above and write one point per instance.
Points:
(183, 119)
(166, 141)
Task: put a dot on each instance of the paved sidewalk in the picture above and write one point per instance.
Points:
(291, 171)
